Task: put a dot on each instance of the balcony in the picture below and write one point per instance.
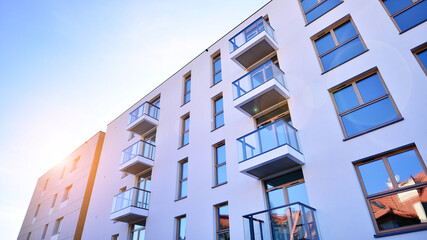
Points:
(260, 89)
(144, 118)
(295, 221)
(252, 43)
(130, 205)
(269, 150)
(138, 157)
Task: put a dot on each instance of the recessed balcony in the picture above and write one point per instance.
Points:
(138, 157)
(260, 89)
(144, 118)
(269, 150)
(293, 221)
(130, 205)
(253, 43)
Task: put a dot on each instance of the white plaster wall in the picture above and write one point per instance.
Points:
(332, 185)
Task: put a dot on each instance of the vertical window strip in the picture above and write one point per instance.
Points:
(220, 164)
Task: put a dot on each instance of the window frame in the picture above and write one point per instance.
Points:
(352, 82)
(181, 180)
(319, 2)
(215, 113)
(52, 205)
(216, 165)
(216, 57)
(178, 226)
(415, 51)
(67, 193)
(414, 2)
(44, 231)
(383, 156)
(184, 131)
(75, 162)
(219, 231)
(58, 226)
(187, 79)
(330, 29)
(115, 237)
(36, 213)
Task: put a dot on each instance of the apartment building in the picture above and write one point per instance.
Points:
(306, 121)
(60, 200)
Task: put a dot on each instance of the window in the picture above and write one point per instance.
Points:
(406, 13)
(44, 231)
(37, 211)
(218, 116)
(187, 88)
(183, 177)
(222, 222)
(54, 200)
(58, 226)
(62, 173)
(45, 184)
(364, 104)
(185, 130)
(313, 9)
(338, 44)
(220, 164)
(181, 223)
(67, 193)
(138, 231)
(395, 185)
(75, 162)
(115, 237)
(216, 67)
(420, 54)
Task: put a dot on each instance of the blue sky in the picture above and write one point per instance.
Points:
(68, 68)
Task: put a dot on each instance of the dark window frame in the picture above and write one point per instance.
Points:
(187, 80)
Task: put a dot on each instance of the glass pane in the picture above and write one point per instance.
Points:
(217, 65)
(186, 124)
(224, 236)
(185, 138)
(321, 9)
(218, 105)
(219, 120)
(342, 54)
(287, 178)
(401, 209)
(413, 16)
(375, 177)
(407, 168)
(346, 99)
(345, 32)
(184, 173)
(393, 6)
(370, 88)
(142, 234)
(218, 78)
(188, 86)
(257, 79)
(183, 192)
(221, 174)
(220, 154)
(325, 43)
(308, 4)
(182, 225)
(423, 57)
(187, 98)
(223, 218)
(267, 138)
(276, 198)
(369, 117)
(298, 193)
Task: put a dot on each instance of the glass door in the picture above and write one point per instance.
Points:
(144, 183)
(149, 148)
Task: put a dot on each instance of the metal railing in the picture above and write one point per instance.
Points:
(133, 197)
(145, 109)
(295, 221)
(140, 148)
(257, 77)
(266, 138)
(250, 32)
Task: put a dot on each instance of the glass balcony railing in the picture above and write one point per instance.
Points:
(133, 197)
(266, 138)
(145, 109)
(140, 148)
(295, 221)
(257, 77)
(250, 32)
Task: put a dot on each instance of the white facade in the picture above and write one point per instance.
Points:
(325, 156)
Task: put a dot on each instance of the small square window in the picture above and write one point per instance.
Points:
(338, 44)
(406, 14)
(364, 104)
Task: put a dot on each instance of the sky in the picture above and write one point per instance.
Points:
(68, 68)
